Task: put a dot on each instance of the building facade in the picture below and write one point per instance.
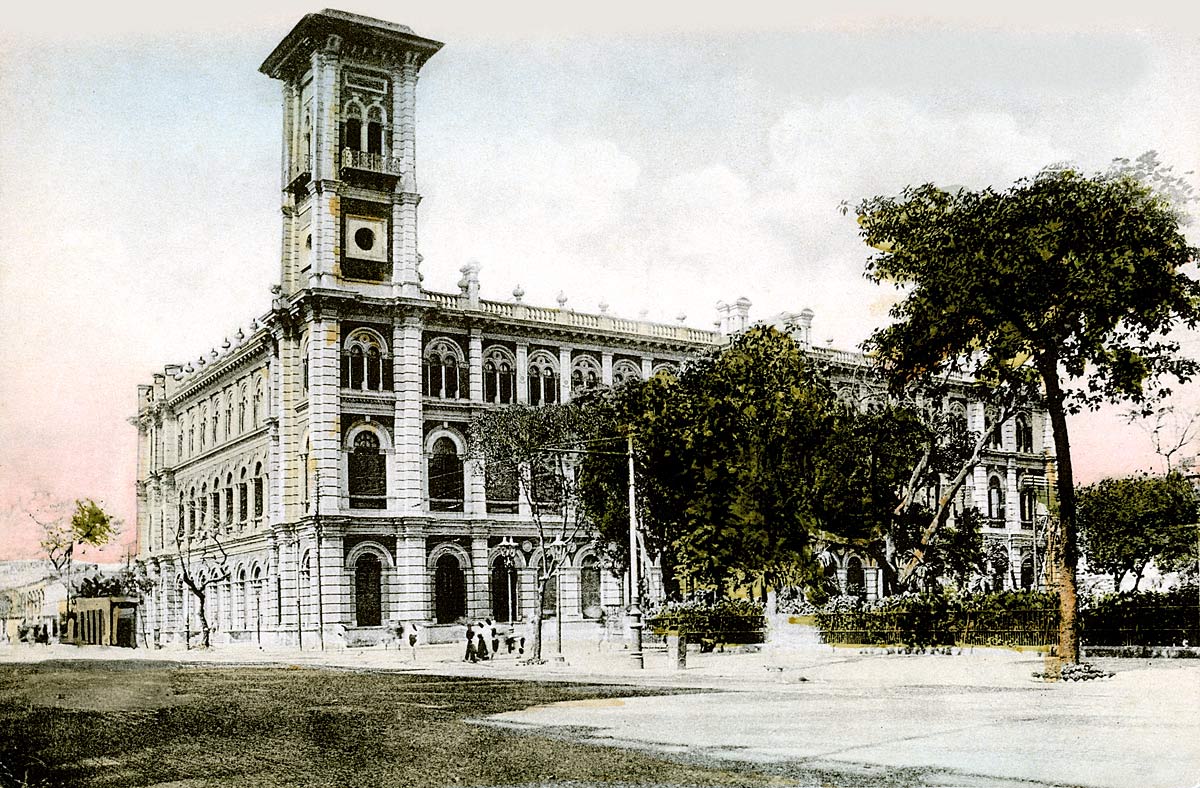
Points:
(311, 473)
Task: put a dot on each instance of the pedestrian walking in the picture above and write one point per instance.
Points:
(408, 636)
(493, 636)
(481, 635)
(472, 654)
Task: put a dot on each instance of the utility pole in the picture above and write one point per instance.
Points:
(635, 612)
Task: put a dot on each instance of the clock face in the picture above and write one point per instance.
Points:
(526, 546)
(366, 238)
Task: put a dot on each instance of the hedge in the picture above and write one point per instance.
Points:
(726, 621)
(1012, 618)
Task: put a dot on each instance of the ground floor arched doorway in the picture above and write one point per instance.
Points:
(368, 580)
(449, 590)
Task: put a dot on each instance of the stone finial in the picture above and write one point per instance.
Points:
(469, 284)
(561, 299)
(241, 335)
(805, 320)
(213, 353)
(518, 293)
(189, 369)
(643, 313)
(226, 344)
(603, 307)
(681, 317)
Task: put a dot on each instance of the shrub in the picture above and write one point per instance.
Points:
(1145, 618)
(933, 618)
(726, 621)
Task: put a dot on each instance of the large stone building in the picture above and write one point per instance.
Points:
(325, 445)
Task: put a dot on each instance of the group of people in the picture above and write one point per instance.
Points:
(483, 640)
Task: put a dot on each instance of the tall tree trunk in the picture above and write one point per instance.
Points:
(1066, 554)
(204, 631)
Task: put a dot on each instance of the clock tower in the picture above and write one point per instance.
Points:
(349, 155)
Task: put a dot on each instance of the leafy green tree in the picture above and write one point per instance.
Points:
(538, 446)
(88, 525)
(1063, 279)
(1124, 524)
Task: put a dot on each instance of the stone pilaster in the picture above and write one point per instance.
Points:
(522, 373)
(324, 431)
(606, 362)
(647, 367)
(414, 598)
(1012, 499)
(564, 374)
(406, 482)
(479, 602)
(475, 360)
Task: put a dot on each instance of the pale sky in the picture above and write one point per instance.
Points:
(658, 160)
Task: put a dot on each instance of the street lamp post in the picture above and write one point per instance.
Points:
(508, 558)
(558, 551)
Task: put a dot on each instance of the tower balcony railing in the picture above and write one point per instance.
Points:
(371, 162)
(300, 170)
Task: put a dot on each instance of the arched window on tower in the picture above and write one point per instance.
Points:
(445, 477)
(375, 130)
(352, 128)
(995, 432)
(367, 473)
(243, 499)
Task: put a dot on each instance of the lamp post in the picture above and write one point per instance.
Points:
(508, 559)
(558, 551)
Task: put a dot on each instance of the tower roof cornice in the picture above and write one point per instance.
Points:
(313, 32)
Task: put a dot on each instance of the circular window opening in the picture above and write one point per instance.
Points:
(365, 239)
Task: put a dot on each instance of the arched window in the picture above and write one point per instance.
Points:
(243, 499)
(449, 590)
(995, 432)
(995, 501)
(367, 473)
(589, 587)
(304, 366)
(1027, 572)
(178, 442)
(229, 500)
(353, 127)
(241, 601)
(665, 368)
(445, 477)
(856, 579)
(375, 130)
(625, 371)
(192, 513)
(505, 586)
(1028, 506)
(216, 422)
(445, 371)
(543, 378)
(181, 526)
(216, 504)
(256, 409)
(228, 398)
(366, 363)
(958, 417)
(499, 376)
(258, 493)
(1024, 433)
(242, 409)
(500, 485)
(203, 517)
(203, 426)
(368, 588)
(585, 373)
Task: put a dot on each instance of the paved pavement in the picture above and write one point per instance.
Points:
(974, 718)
